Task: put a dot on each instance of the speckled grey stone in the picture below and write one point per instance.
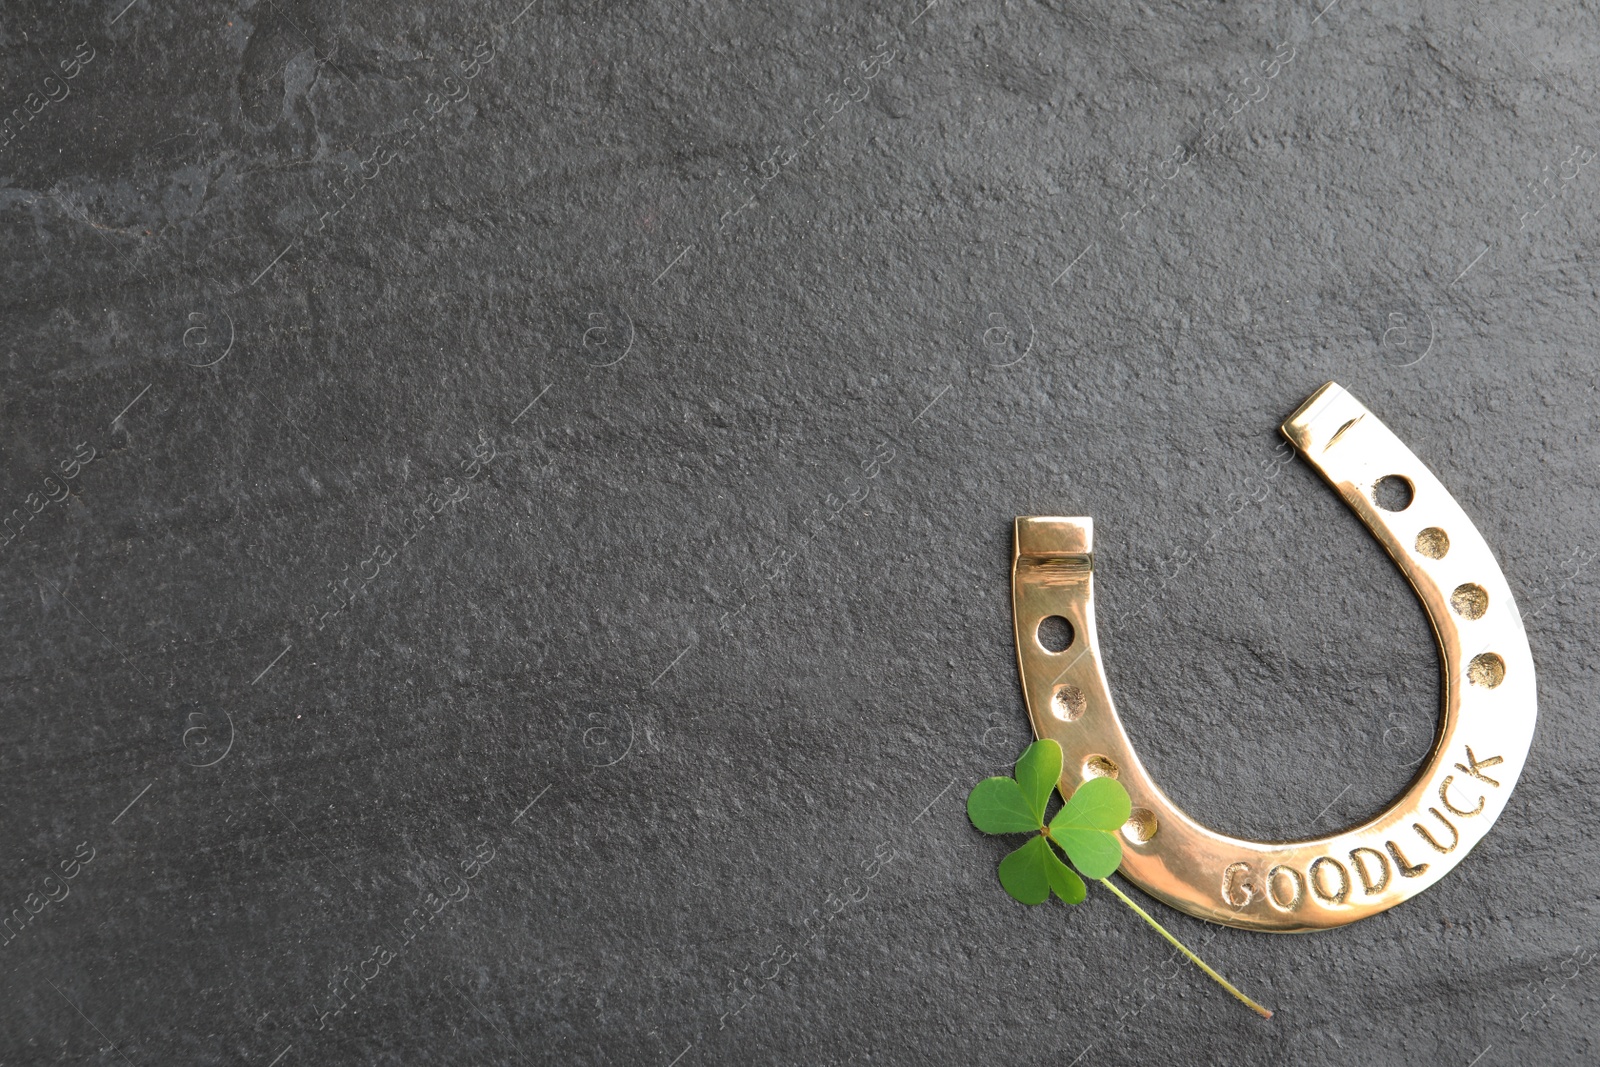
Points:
(645, 736)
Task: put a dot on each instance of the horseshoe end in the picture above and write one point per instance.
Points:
(1043, 536)
(1319, 420)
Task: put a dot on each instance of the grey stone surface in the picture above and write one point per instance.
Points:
(722, 629)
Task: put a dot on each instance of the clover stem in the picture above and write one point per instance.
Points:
(1196, 960)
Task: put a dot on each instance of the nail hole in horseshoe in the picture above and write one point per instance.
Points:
(1100, 767)
(1433, 543)
(1487, 670)
(1141, 826)
(1067, 703)
(1393, 493)
(1470, 601)
(1055, 633)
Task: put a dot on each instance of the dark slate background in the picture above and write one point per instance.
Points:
(765, 314)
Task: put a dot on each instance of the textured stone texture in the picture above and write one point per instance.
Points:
(725, 704)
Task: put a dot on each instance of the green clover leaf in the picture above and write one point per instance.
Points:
(1017, 805)
(1063, 879)
(999, 806)
(1085, 829)
(1022, 872)
(1038, 771)
(1087, 824)
(1031, 872)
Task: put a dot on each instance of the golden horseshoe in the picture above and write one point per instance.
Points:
(1486, 723)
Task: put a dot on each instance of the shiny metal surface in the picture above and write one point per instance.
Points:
(1486, 722)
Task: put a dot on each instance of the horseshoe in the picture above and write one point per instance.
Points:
(1486, 722)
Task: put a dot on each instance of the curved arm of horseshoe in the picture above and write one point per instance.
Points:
(1486, 723)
